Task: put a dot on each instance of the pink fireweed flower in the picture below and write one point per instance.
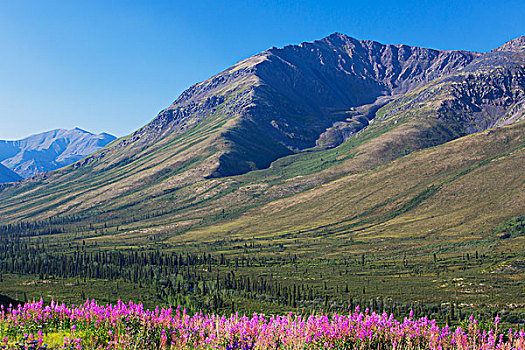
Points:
(129, 325)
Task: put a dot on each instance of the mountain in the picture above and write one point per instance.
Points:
(50, 150)
(322, 131)
(7, 175)
(280, 101)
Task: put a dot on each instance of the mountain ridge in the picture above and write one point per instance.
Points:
(517, 44)
(304, 94)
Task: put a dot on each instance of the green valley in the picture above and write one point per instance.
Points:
(313, 177)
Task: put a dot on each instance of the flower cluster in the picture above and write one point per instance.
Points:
(130, 326)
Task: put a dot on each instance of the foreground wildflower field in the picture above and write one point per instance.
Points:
(130, 326)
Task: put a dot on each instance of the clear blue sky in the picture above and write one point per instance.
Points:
(113, 65)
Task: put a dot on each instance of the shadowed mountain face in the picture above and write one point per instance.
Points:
(50, 150)
(286, 121)
(280, 101)
(6, 175)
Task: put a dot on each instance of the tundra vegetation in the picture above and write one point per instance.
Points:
(311, 179)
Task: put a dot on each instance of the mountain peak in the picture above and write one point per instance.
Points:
(517, 44)
(336, 36)
(339, 35)
(81, 130)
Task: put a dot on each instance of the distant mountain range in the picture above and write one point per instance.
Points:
(337, 136)
(48, 151)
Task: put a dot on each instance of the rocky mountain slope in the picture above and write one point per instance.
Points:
(50, 150)
(276, 129)
(280, 101)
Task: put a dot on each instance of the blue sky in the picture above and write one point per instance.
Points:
(113, 65)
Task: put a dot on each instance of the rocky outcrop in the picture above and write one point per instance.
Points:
(488, 92)
(515, 45)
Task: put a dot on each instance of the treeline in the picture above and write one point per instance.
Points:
(75, 223)
(199, 281)
(171, 274)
